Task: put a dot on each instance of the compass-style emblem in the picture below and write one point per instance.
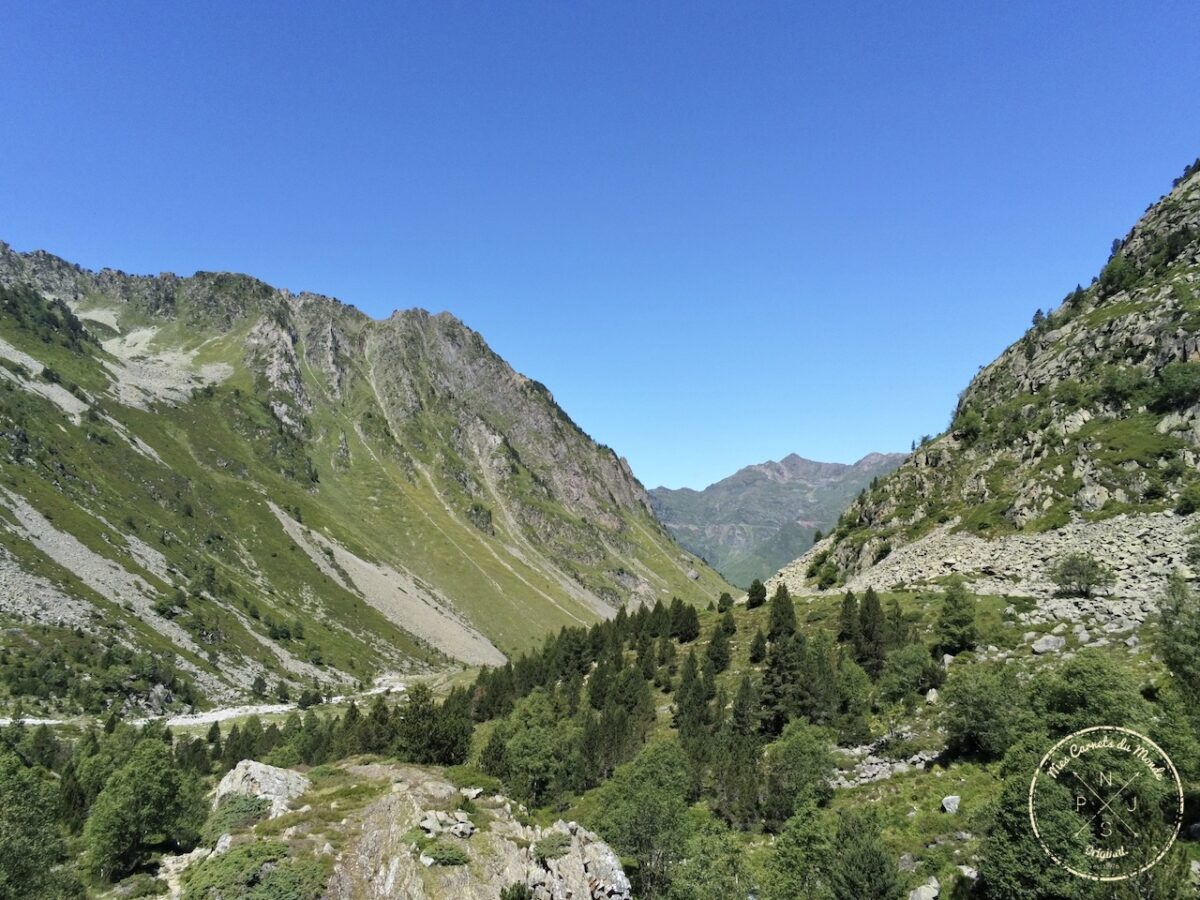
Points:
(1106, 803)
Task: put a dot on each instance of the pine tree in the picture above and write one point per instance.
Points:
(739, 777)
(757, 595)
(728, 625)
(872, 641)
(897, 630)
(782, 617)
(956, 623)
(781, 679)
(758, 647)
(724, 602)
(718, 654)
(864, 868)
(685, 625)
(818, 683)
(848, 620)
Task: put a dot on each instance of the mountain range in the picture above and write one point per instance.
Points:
(750, 524)
(245, 483)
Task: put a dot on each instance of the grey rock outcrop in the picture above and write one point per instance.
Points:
(381, 861)
(254, 779)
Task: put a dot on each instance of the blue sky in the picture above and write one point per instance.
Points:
(719, 233)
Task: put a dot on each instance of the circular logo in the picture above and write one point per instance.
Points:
(1106, 803)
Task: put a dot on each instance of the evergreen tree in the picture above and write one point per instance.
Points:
(258, 687)
(872, 637)
(598, 684)
(848, 629)
(717, 656)
(727, 624)
(782, 617)
(781, 680)
(956, 622)
(898, 632)
(817, 690)
(863, 866)
(758, 647)
(854, 702)
(31, 846)
(757, 595)
(803, 858)
(797, 771)
(1179, 644)
(739, 776)
(685, 625)
(690, 708)
(724, 602)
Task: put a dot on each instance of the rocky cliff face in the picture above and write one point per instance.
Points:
(1091, 421)
(762, 516)
(320, 494)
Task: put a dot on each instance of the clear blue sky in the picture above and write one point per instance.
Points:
(719, 233)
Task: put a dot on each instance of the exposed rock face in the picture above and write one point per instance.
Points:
(381, 861)
(1092, 416)
(762, 516)
(255, 779)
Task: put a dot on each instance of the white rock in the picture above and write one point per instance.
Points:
(950, 803)
(1049, 643)
(255, 779)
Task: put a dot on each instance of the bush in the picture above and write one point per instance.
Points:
(235, 812)
(1080, 574)
(985, 709)
(1177, 387)
(262, 869)
(444, 854)
(552, 846)
(1189, 500)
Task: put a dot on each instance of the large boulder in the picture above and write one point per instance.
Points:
(255, 779)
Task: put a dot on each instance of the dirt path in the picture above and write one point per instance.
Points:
(382, 684)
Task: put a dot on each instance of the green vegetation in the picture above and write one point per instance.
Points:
(1080, 574)
(262, 870)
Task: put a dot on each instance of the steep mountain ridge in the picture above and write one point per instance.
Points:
(235, 464)
(762, 516)
(1091, 419)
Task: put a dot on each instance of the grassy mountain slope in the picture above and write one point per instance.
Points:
(750, 524)
(256, 483)
(1093, 414)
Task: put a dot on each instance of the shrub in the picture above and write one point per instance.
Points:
(985, 709)
(236, 811)
(444, 854)
(1189, 500)
(552, 846)
(1080, 574)
(1177, 387)
(262, 869)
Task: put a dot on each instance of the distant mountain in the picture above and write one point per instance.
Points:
(255, 485)
(751, 523)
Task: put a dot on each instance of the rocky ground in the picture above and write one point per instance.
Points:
(1141, 549)
(389, 847)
